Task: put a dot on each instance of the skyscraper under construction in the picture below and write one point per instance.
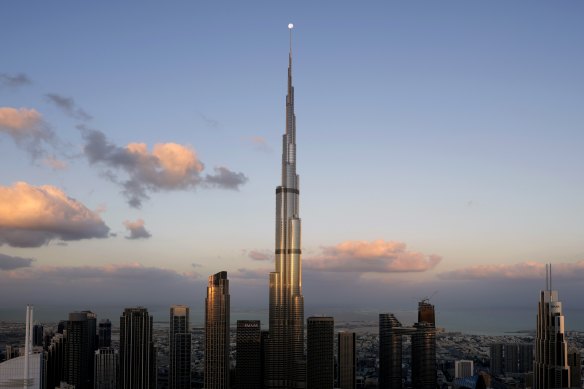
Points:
(286, 364)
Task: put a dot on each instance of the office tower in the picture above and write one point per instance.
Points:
(105, 368)
(286, 362)
(463, 369)
(320, 363)
(248, 368)
(390, 352)
(37, 335)
(525, 358)
(347, 359)
(55, 360)
(62, 326)
(264, 338)
(105, 333)
(137, 368)
(496, 358)
(424, 348)
(511, 358)
(179, 374)
(80, 348)
(575, 363)
(550, 369)
(217, 332)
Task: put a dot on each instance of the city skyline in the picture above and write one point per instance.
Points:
(454, 156)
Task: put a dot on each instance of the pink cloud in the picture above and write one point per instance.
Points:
(523, 270)
(371, 256)
(260, 255)
(260, 143)
(137, 229)
(54, 163)
(27, 128)
(31, 216)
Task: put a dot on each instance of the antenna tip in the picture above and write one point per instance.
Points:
(290, 26)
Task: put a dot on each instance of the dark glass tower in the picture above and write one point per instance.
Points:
(390, 352)
(80, 347)
(56, 361)
(550, 369)
(347, 360)
(217, 332)
(105, 333)
(106, 368)
(286, 363)
(424, 348)
(137, 352)
(248, 368)
(179, 375)
(320, 354)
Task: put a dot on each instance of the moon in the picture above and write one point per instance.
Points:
(290, 26)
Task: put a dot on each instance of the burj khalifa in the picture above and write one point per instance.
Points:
(286, 364)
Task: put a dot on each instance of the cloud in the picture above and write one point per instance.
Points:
(68, 106)
(376, 256)
(10, 263)
(54, 163)
(528, 270)
(14, 80)
(260, 144)
(168, 167)
(32, 216)
(258, 255)
(137, 230)
(27, 128)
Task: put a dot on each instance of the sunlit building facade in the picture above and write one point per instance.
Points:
(346, 359)
(217, 332)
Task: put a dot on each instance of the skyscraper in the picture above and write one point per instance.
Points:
(105, 368)
(390, 352)
(217, 332)
(286, 363)
(463, 369)
(550, 369)
(137, 352)
(80, 347)
(320, 372)
(248, 368)
(496, 355)
(424, 348)
(347, 360)
(179, 374)
(105, 333)
(37, 335)
(511, 352)
(56, 362)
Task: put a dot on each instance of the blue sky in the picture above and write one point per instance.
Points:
(453, 128)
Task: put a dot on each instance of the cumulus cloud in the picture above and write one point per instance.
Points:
(376, 256)
(136, 229)
(32, 216)
(14, 80)
(27, 128)
(8, 262)
(260, 255)
(169, 166)
(528, 270)
(68, 106)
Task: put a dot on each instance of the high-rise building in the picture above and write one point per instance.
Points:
(248, 368)
(424, 348)
(105, 333)
(286, 362)
(179, 374)
(137, 353)
(217, 332)
(550, 369)
(37, 335)
(80, 348)
(496, 354)
(320, 372)
(347, 360)
(525, 357)
(390, 352)
(55, 360)
(511, 358)
(105, 368)
(575, 363)
(463, 369)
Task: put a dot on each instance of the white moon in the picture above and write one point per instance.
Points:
(290, 26)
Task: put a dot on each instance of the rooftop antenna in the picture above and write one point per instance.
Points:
(550, 277)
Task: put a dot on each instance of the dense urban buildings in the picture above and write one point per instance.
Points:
(320, 338)
(137, 352)
(105, 368)
(248, 367)
(179, 340)
(551, 369)
(346, 359)
(217, 332)
(286, 362)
